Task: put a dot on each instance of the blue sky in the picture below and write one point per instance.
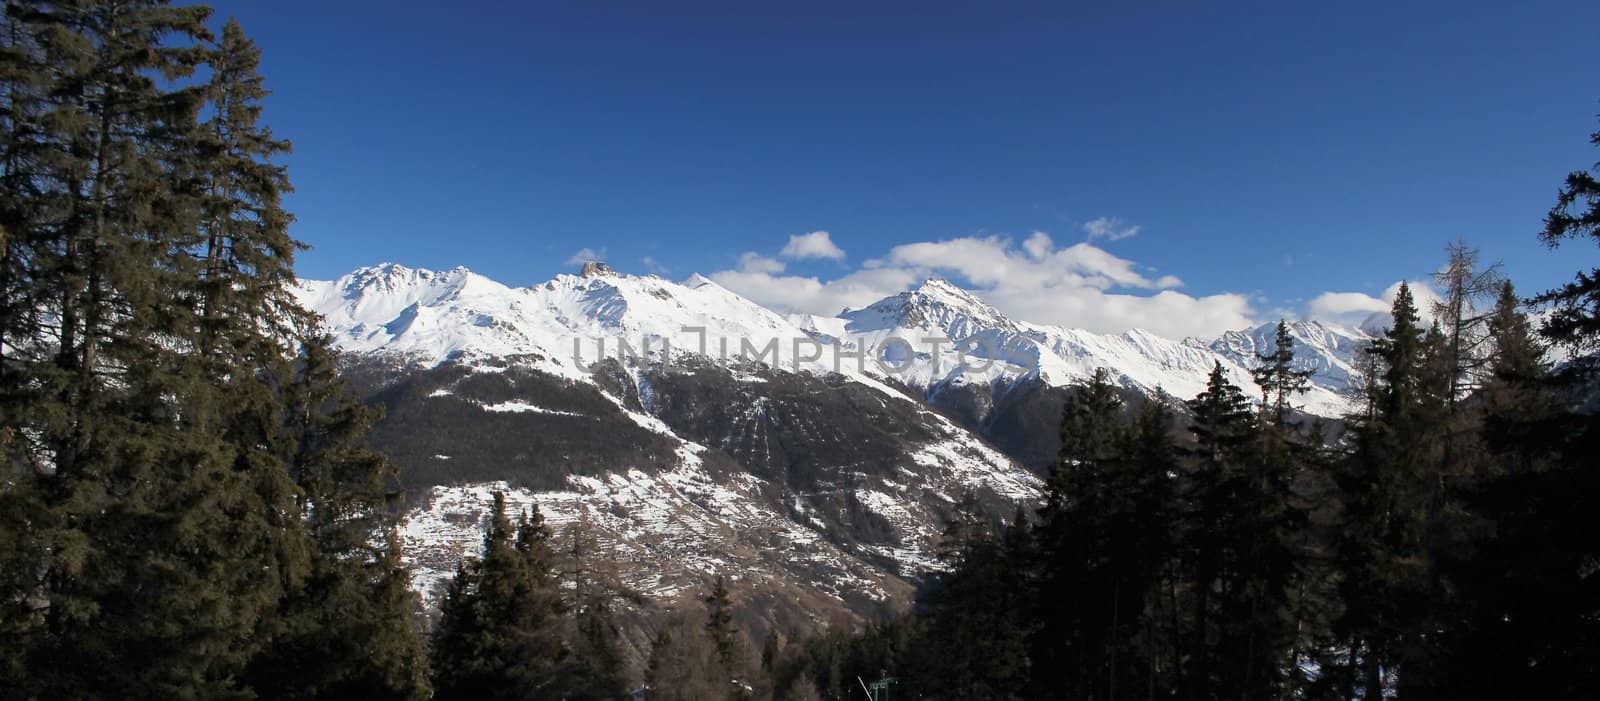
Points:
(1267, 152)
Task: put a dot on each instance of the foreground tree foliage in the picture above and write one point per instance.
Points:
(189, 510)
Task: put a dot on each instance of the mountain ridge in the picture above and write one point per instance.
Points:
(430, 316)
(693, 431)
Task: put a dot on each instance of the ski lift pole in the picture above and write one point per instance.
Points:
(878, 690)
(870, 696)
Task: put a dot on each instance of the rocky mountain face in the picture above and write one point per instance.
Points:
(688, 431)
(1329, 352)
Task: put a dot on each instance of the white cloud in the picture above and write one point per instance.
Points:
(1038, 245)
(817, 244)
(752, 262)
(1167, 313)
(795, 293)
(1344, 307)
(1080, 286)
(1354, 308)
(587, 255)
(993, 262)
(1110, 229)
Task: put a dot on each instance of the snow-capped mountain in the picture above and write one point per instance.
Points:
(987, 347)
(935, 334)
(693, 431)
(1327, 350)
(563, 327)
(814, 482)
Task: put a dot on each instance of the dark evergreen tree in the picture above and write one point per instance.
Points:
(345, 626)
(975, 620)
(140, 487)
(1498, 621)
(1291, 599)
(1529, 593)
(1519, 408)
(598, 671)
(1315, 602)
(769, 653)
(1575, 318)
(1070, 647)
(1104, 544)
(499, 635)
(178, 522)
(1150, 653)
(1276, 375)
(719, 624)
(1217, 498)
(1389, 484)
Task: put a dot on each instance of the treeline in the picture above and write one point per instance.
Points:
(1442, 546)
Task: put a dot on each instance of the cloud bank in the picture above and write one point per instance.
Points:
(1076, 286)
(1080, 286)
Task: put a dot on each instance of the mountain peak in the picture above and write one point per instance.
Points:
(385, 277)
(595, 268)
(942, 290)
(390, 275)
(697, 281)
(384, 270)
(937, 284)
(937, 292)
(936, 304)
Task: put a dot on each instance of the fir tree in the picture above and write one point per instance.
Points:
(975, 618)
(1069, 645)
(1490, 634)
(1389, 484)
(182, 534)
(597, 671)
(344, 627)
(1575, 318)
(1145, 548)
(140, 486)
(499, 635)
(1517, 401)
(1224, 432)
(769, 652)
(1277, 377)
